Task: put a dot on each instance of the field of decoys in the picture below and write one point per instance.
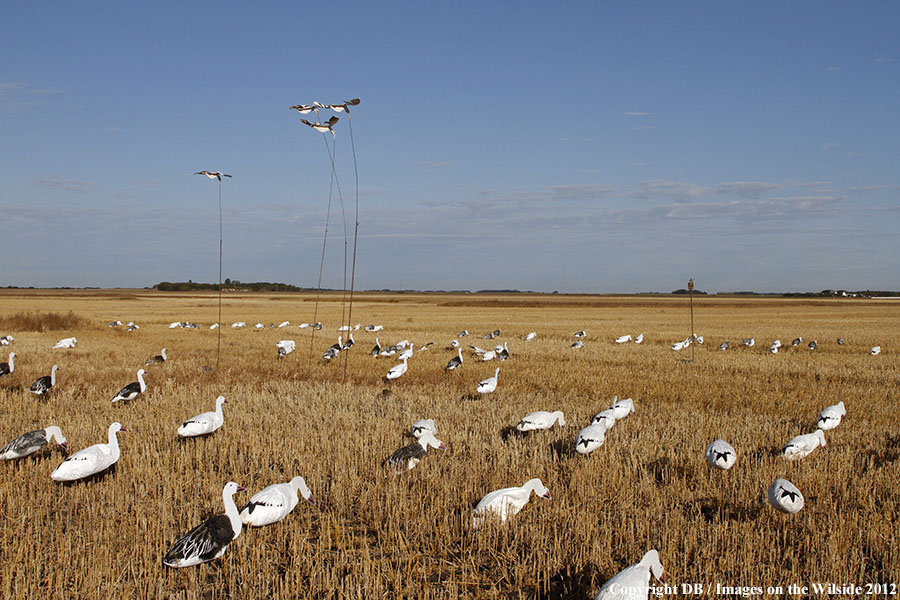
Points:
(499, 458)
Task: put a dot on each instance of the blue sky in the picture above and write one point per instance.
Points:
(582, 147)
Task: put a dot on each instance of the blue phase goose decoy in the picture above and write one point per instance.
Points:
(42, 385)
(159, 358)
(802, 445)
(213, 174)
(209, 540)
(132, 390)
(724, 345)
(785, 497)
(462, 333)
(455, 362)
(581, 334)
(541, 419)
(31, 442)
(334, 350)
(720, 454)
(90, 460)
(407, 457)
(204, 423)
(506, 502)
(633, 582)
(8, 367)
(376, 349)
(577, 344)
(273, 503)
(285, 347)
(323, 127)
(830, 417)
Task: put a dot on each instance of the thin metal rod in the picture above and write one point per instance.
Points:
(219, 328)
(355, 233)
(693, 340)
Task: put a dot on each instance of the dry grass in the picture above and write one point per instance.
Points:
(33, 321)
(410, 535)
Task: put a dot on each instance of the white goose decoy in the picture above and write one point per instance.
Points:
(273, 503)
(214, 326)
(623, 338)
(633, 582)
(323, 127)
(581, 334)
(577, 344)
(530, 336)
(159, 358)
(373, 328)
(238, 324)
(90, 460)
(875, 351)
(345, 107)
(409, 456)
(283, 324)
(462, 333)
(42, 385)
(830, 417)
(8, 367)
(773, 349)
(720, 454)
(785, 497)
(639, 339)
(724, 345)
(622, 408)
(421, 426)
(31, 442)
(803, 445)
(209, 540)
(506, 502)
(541, 419)
(606, 417)
(455, 362)
(397, 370)
(590, 438)
(213, 174)
(204, 423)
(407, 353)
(477, 350)
(749, 342)
(285, 347)
(66, 343)
(489, 355)
(454, 343)
(486, 386)
(133, 389)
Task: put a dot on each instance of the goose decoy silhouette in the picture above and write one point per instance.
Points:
(323, 127)
(213, 174)
(305, 109)
(345, 107)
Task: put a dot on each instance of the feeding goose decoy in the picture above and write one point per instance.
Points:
(633, 582)
(749, 342)
(334, 350)
(323, 127)
(530, 336)
(407, 353)
(462, 333)
(31, 442)
(486, 386)
(785, 497)
(830, 417)
(273, 503)
(409, 456)
(541, 419)
(875, 351)
(622, 408)
(285, 347)
(623, 338)
(133, 389)
(373, 328)
(397, 370)
(42, 385)
(213, 174)
(639, 339)
(720, 454)
(840, 341)
(797, 341)
(455, 362)
(590, 438)
(577, 344)
(8, 367)
(724, 346)
(349, 343)
(607, 418)
(580, 334)
(421, 426)
(210, 539)
(204, 423)
(68, 342)
(503, 354)
(454, 343)
(90, 460)
(802, 445)
(506, 502)
(159, 358)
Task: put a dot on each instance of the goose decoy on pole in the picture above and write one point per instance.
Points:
(213, 174)
(323, 127)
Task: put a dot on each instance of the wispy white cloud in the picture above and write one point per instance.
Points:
(68, 185)
(746, 189)
(17, 97)
(678, 190)
(864, 189)
(834, 69)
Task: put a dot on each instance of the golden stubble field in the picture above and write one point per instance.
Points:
(377, 536)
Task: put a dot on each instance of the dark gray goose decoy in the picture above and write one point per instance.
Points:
(376, 349)
(334, 350)
(455, 362)
(42, 385)
(133, 389)
(813, 345)
(409, 456)
(213, 174)
(209, 540)
(159, 358)
(31, 442)
(345, 107)
(8, 367)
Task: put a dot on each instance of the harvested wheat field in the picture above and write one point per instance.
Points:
(373, 533)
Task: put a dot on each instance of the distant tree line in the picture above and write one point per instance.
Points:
(229, 284)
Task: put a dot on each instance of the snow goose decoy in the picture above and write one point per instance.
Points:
(639, 339)
(421, 426)
(42, 385)
(210, 539)
(373, 328)
(344, 107)
(797, 341)
(504, 353)
(749, 342)
(720, 454)
(159, 358)
(840, 341)
(213, 174)
(803, 445)
(607, 418)
(830, 417)
(133, 389)
(590, 438)
(238, 325)
(541, 419)
(407, 353)
(31, 442)
(785, 497)
(580, 334)
(724, 345)
(506, 502)
(633, 582)
(397, 370)
(66, 343)
(8, 367)
(273, 503)
(454, 343)
(577, 344)
(875, 351)
(285, 347)
(623, 338)
(462, 333)
(409, 456)
(622, 408)
(204, 423)
(334, 349)
(327, 126)
(488, 385)
(283, 324)
(489, 355)
(90, 460)
(455, 362)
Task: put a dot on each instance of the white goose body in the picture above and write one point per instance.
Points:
(8, 367)
(541, 419)
(639, 339)
(209, 540)
(204, 423)
(785, 497)
(31, 442)
(606, 417)
(622, 408)
(875, 351)
(720, 454)
(830, 417)
(132, 390)
(90, 460)
(421, 426)
(397, 370)
(633, 582)
(407, 353)
(66, 343)
(530, 336)
(407, 457)
(506, 502)
(273, 503)
(623, 338)
(590, 438)
(42, 385)
(802, 445)
(488, 385)
(285, 347)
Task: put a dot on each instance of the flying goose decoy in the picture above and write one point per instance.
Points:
(541, 419)
(8, 367)
(455, 362)
(305, 109)
(633, 582)
(90, 460)
(506, 502)
(486, 386)
(42, 385)
(344, 107)
(397, 370)
(204, 423)
(210, 539)
(785, 497)
(590, 438)
(409, 456)
(159, 358)
(802, 445)
(133, 389)
(323, 127)
(213, 174)
(31, 442)
(273, 503)
(720, 454)
(830, 417)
